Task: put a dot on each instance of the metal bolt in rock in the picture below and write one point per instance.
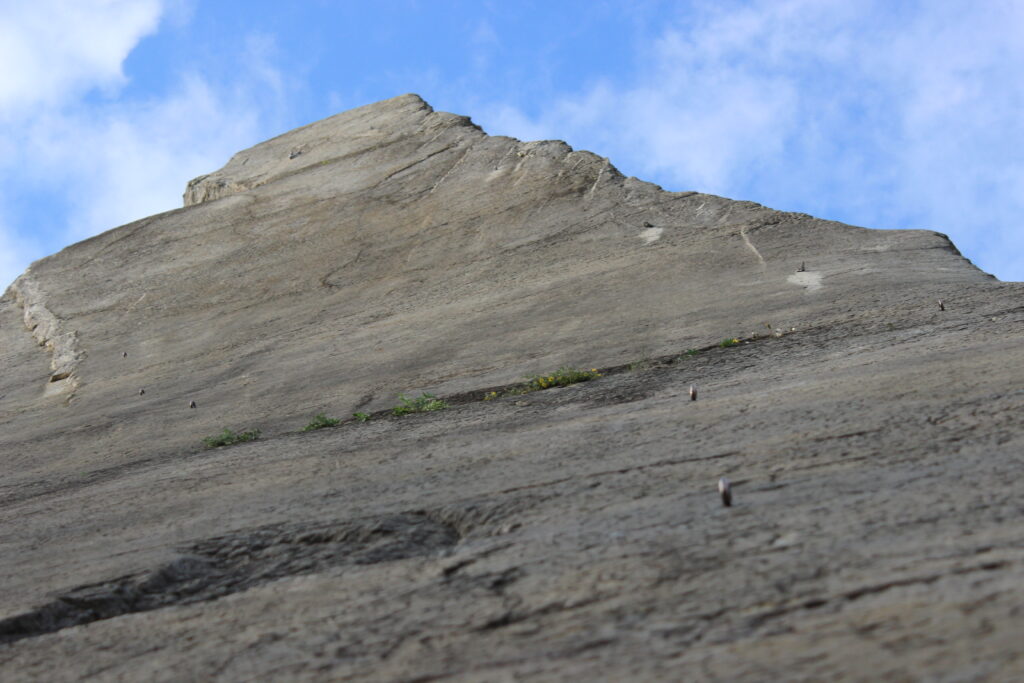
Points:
(191, 404)
(725, 489)
(942, 305)
(693, 393)
(141, 392)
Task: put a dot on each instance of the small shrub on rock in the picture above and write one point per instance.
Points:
(320, 421)
(228, 437)
(424, 403)
(562, 377)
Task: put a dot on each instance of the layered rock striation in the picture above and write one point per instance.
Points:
(870, 434)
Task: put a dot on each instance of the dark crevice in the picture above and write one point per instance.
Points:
(223, 565)
(672, 360)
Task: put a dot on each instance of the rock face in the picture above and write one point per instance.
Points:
(872, 438)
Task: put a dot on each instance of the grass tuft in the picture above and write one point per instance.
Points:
(228, 437)
(320, 421)
(424, 403)
(562, 377)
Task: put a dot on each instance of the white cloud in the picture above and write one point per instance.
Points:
(122, 162)
(54, 49)
(113, 160)
(505, 119)
(867, 112)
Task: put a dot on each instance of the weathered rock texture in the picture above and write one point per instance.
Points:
(873, 440)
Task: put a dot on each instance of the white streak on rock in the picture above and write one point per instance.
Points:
(48, 331)
(810, 279)
(600, 174)
(651, 234)
(746, 239)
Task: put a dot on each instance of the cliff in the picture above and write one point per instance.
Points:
(871, 433)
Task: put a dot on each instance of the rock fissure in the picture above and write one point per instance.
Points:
(462, 157)
(417, 162)
(669, 361)
(229, 564)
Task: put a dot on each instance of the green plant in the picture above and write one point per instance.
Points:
(228, 437)
(641, 364)
(424, 403)
(726, 343)
(320, 421)
(692, 352)
(561, 377)
(362, 417)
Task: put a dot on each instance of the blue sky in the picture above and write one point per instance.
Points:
(881, 114)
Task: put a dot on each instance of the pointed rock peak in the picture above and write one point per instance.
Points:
(409, 99)
(321, 143)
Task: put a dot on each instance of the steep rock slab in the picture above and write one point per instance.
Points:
(572, 533)
(393, 248)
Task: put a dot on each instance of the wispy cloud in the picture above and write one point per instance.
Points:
(125, 161)
(63, 47)
(874, 113)
(61, 50)
(113, 159)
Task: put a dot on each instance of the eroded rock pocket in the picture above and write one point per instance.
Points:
(236, 562)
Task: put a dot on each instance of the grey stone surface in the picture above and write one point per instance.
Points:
(873, 441)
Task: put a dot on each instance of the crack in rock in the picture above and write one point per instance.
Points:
(220, 566)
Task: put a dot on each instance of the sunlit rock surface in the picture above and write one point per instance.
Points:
(873, 437)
